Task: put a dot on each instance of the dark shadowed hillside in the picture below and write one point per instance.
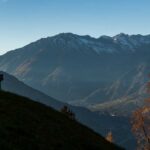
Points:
(25, 124)
(98, 122)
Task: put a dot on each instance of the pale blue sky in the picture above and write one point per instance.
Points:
(24, 21)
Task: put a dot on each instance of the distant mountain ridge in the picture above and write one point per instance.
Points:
(85, 71)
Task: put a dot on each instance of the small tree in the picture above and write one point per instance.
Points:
(65, 110)
(109, 137)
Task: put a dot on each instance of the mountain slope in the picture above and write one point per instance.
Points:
(12, 84)
(29, 125)
(82, 70)
(118, 125)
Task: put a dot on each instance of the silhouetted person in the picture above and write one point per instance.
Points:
(65, 110)
(1, 79)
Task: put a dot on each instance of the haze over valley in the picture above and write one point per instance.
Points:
(107, 73)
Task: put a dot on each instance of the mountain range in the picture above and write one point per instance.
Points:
(105, 74)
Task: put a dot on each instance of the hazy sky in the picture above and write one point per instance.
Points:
(24, 21)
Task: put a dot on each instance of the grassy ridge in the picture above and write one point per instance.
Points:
(28, 125)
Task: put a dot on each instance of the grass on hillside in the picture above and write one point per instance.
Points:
(28, 125)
